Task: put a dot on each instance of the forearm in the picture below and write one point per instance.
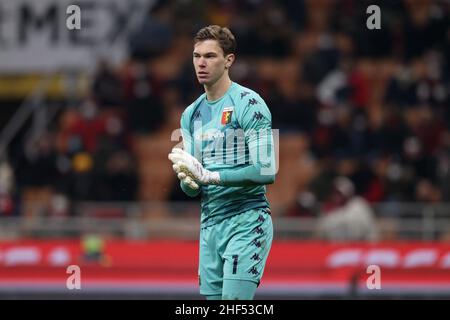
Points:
(261, 170)
(250, 175)
(189, 191)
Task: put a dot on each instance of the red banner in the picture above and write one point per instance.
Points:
(292, 265)
(284, 255)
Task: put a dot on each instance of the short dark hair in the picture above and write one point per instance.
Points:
(223, 36)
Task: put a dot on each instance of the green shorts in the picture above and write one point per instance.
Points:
(236, 248)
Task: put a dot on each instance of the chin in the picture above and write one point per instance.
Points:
(203, 81)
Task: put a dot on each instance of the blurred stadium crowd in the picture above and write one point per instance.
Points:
(369, 105)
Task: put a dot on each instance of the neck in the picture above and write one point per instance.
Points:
(217, 89)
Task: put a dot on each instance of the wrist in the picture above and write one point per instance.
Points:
(212, 177)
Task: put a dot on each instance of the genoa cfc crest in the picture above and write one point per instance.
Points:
(226, 115)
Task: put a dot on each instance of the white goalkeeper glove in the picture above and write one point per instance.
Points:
(190, 167)
(184, 177)
(187, 180)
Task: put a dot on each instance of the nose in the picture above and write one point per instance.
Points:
(201, 62)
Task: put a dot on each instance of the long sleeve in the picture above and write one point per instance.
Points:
(255, 119)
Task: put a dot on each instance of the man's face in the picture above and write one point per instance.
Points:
(209, 61)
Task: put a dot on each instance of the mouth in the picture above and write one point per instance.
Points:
(202, 74)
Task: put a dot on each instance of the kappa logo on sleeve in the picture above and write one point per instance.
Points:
(226, 115)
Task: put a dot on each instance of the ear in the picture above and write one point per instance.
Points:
(230, 59)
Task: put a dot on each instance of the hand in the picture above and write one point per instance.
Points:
(184, 163)
(186, 179)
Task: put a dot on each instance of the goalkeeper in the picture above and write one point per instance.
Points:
(228, 156)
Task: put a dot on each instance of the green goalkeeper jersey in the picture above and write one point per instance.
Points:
(233, 136)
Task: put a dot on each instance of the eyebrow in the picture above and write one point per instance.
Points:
(205, 54)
